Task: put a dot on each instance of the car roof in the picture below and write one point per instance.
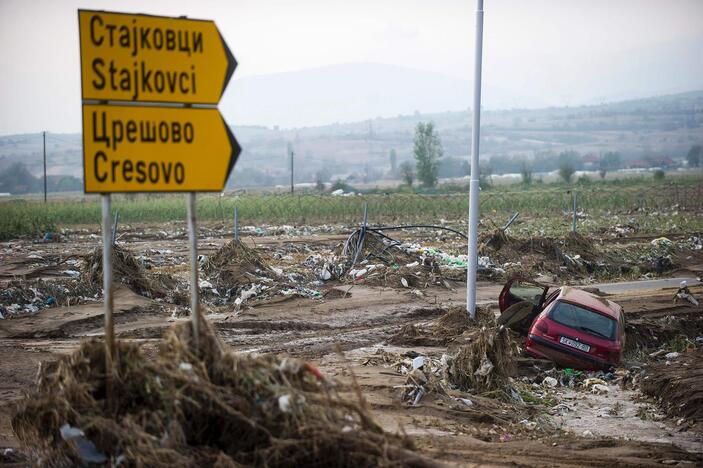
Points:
(590, 301)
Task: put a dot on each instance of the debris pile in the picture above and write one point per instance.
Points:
(125, 269)
(28, 297)
(425, 376)
(677, 383)
(487, 364)
(206, 408)
(236, 273)
(378, 259)
(454, 323)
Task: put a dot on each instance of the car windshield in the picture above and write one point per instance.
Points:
(583, 320)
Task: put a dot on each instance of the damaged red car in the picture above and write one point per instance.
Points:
(569, 326)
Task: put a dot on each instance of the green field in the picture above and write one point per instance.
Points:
(21, 217)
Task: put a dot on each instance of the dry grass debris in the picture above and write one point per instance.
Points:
(207, 408)
(125, 269)
(487, 364)
(234, 265)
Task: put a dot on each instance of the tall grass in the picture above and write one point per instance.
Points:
(31, 218)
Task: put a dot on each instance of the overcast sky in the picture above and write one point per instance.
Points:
(557, 51)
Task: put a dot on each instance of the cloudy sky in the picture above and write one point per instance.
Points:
(549, 52)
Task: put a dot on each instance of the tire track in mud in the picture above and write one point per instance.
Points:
(315, 339)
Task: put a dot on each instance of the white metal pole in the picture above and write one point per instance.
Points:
(107, 283)
(573, 222)
(194, 288)
(472, 265)
(236, 224)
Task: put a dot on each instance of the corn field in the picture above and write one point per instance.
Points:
(21, 217)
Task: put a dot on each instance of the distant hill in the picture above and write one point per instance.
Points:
(358, 91)
(640, 129)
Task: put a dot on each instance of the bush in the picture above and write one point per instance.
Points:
(526, 174)
(407, 173)
(659, 175)
(584, 180)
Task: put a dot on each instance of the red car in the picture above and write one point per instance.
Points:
(569, 326)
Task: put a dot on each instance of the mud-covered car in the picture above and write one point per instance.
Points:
(569, 326)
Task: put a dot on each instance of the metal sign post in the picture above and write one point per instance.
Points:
(236, 224)
(107, 285)
(135, 138)
(573, 221)
(194, 287)
(44, 138)
(473, 186)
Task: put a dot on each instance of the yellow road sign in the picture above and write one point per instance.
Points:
(156, 149)
(126, 57)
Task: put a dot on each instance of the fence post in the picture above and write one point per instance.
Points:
(114, 227)
(236, 224)
(573, 221)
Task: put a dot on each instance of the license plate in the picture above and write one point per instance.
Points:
(574, 344)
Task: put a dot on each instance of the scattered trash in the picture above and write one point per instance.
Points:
(550, 382)
(86, 449)
(599, 389)
(684, 293)
(662, 242)
(263, 413)
(486, 364)
(418, 362)
(125, 269)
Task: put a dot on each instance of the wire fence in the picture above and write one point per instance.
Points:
(302, 209)
(23, 217)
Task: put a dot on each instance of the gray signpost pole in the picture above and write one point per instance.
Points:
(107, 286)
(573, 222)
(236, 224)
(193, 244)
(114, 227)
(472, 264)
(44, 136)
(292, 184)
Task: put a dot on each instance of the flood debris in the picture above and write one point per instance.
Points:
(372, 256)
(684, 294)
(126, 269)
(677, 385)
(26, 297)
(207, 408)
(487, 364)
(448, 328)
(238, 274)
(235, 264)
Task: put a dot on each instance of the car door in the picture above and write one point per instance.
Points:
(520, 301)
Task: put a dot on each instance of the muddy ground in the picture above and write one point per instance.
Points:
(290, 299)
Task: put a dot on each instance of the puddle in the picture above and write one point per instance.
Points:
(645, 285)
(615, 414)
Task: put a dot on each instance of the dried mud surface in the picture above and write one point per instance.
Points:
(368, 330)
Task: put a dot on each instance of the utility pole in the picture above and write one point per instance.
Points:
(44, 135)
(291, 154)
(472, 264)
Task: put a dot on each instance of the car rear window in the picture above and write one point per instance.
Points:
(583, 320)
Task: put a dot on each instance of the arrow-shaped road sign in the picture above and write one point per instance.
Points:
(142, 58)
(156, 149)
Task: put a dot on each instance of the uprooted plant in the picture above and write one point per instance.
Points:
(487, 364)
(206, 408)
(125, 269)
